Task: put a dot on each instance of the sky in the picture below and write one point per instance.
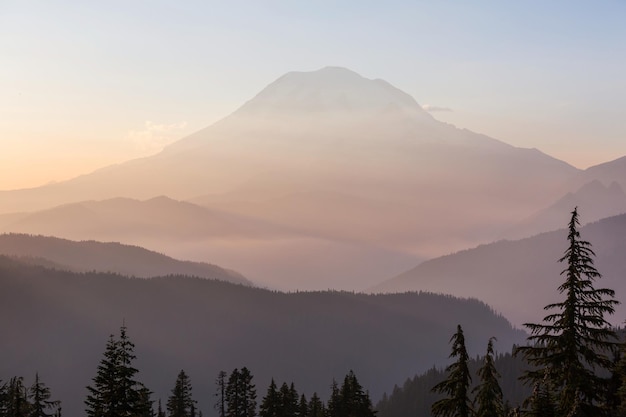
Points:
(88, 84)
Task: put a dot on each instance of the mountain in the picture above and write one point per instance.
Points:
(57, 323)
(607, 172)
(159, 216)
(594, 199)
(106, 257)
(518, 278)
(400, 185)
(310, 258)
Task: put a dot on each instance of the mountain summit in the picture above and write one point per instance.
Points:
(331, 89)
(359, 174)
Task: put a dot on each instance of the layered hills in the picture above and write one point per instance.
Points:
(86, 256)
(518, 278)
(57, 323)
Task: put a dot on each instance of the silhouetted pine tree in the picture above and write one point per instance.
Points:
(288, 400)
(334, 402)
(16, 402)
(456, 386)
(240, 394)
(270, 405)
(488, 393)
(115, 392)
(181, 403)
(316, 407)
(39, 395)
(303, 407)
(571, 345)
(350, 400)
(220, 404)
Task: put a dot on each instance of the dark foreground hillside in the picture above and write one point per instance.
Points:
(57, 323)
(415, 397)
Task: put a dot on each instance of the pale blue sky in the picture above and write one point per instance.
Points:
(88, 83)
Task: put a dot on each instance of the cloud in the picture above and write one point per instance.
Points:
(153, 137)
(432, 109)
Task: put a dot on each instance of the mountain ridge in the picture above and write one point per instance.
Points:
(305, 337)
(90, 255)
(519, 277)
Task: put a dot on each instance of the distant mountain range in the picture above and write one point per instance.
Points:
(518, 278)
(92, 256)
(324, 179)
(594, 199)
(57, 323)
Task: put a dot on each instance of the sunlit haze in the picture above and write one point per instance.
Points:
(88, 84)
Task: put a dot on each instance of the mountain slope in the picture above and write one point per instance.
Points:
(107, 257)
(330, 134)
(518, 278)
(57, 323)
(594, 199)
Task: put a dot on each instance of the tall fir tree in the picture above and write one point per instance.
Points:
(572, 344)
(41, 405)
(288, 400)
(303, 406)
(240, 394)
(220, 394)
(181, 403)
(16, 403)
(349, 400)
(316, 407)
(334, 402)
(115, 391)
(456, 386)
(488, 400)
(270, 404)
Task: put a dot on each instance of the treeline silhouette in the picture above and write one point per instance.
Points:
(116, 391)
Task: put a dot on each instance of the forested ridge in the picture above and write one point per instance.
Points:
(204, 326)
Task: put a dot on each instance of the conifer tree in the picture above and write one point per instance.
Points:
(572, 343)
(303, 406)
(349, 400)
(220, 404)
(488, 392)
(270, 405)
(334, 402)
(16, 404)
(115, 392)
(316, 407)
(181, 403)
(240, 394)
(39, 395)
(288, 400)
(456, 386)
